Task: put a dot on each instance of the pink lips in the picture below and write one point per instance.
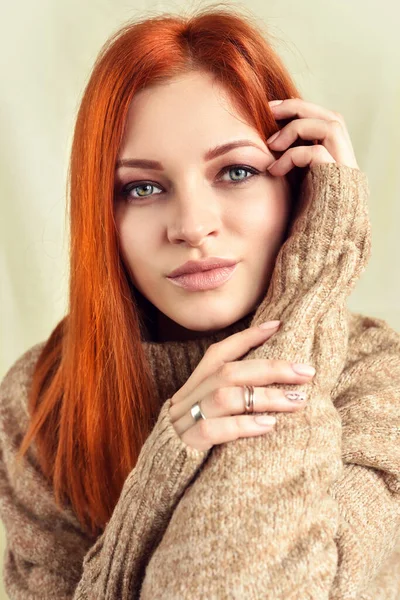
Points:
(206, 264)
(204, 280)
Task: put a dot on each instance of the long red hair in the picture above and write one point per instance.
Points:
(92, 401)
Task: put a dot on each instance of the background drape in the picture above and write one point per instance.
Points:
(343, 55)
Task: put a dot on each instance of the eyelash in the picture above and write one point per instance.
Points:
(126, 190)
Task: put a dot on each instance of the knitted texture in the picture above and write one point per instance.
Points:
(261, 509)
(308, 511)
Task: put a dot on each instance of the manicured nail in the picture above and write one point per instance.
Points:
(264, 420)
(302, 369)
(295, 396)
(269, 324)
(273, 137)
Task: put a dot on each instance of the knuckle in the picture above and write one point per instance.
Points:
(335, 124)
(219, 397)
(213, 347)
(173, 399)
(319, 151)
(205, 429)
(226, 372)
(300, 152)
(172, 411)
(214, 355)
(338, 116)
(213, 351)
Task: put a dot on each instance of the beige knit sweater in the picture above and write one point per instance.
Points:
(308, 511)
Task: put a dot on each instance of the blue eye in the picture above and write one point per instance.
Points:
(136, 185)
(242, 168)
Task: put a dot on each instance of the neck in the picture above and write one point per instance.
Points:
(168, 330)
(173, 361)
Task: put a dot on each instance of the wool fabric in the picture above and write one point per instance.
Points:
(308, 511)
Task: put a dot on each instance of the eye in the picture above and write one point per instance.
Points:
(126, 190)
(238, 169)
(140, 185)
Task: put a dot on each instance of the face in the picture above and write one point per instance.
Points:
(191, 208)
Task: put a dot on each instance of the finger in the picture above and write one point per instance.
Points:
(226, 350)
(297, 107)
(208, 432)
(231, 401)
(301, 156)
(256, 372)
(329, 133)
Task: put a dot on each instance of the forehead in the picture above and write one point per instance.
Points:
(190, 111)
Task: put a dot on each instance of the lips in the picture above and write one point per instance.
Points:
(204, 280)
(193, 266)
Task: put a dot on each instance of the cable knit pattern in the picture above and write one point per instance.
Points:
(308, 511)
(261, 509)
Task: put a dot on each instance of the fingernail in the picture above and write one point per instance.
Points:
(270, 166)
(302, 369)
(269, 324)
(295, 396)
(275, 102)
(264, 420)
(273, 137)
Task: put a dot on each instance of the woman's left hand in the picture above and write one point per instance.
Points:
(313, 123)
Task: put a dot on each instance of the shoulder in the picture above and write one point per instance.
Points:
(14, 389)
(373, 358)
(370, 335)
(28, 508)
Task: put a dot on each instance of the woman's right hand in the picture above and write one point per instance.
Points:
(217, 382)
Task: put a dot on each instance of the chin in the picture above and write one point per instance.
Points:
(209, 327)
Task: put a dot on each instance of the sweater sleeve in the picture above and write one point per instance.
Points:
(259, 521)
(367, 398)
(47, 554)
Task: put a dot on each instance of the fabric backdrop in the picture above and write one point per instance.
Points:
(343, 55)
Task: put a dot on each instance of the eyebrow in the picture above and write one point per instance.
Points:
(209, 155)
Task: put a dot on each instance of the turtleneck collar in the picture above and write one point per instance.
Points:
(323, 220)
(172, 362)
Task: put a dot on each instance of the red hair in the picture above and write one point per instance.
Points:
(92, 402)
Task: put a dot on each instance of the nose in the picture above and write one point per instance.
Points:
(194, 219)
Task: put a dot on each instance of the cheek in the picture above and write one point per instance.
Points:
(267, 220)
(136, 243)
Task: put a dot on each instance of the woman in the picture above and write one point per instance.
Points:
(130, 489)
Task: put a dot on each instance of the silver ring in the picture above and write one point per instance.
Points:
(197, 413)
(248, 399)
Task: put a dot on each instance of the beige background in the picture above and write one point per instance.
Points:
(343, 55)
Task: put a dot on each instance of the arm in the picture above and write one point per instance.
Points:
(47, 554)
(259, 522)
(367, 398)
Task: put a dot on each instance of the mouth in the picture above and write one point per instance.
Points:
(194, 266)
(204, 280)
